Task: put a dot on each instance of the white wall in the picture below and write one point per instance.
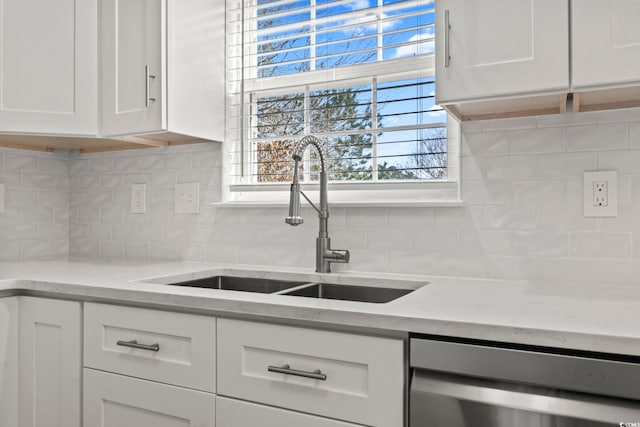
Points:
(36, 218)
(521, 181)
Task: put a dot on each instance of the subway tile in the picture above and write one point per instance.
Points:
(433, 241)
(512, 267)
(569, 217)
(180, 161)
(413, 218)
(126, 164)
(598, 137)
(10, 250)
(152, 162)
(547, 140)
(30, 180)
(112, 249)
(486, 193)
(36, 249)
(485, 242)
(411, 263)
(101, 231)
(571, 165)
(484, 144)
(37, 215)
(540, 243)
(618, 271)
(567, 119)
(569, 270)
(53, 231)
(510, 218)
(509, 124)
(111, 181)
(191, 252)
(163, 250)
(458, 266)
(133, 249)
(21, 232)
(472, 168)
(467, 218)
(388, 239)
(600, 245)
(626, 161)
(366, 217)
(222, 254)
(84, 247)
(101, 165)
(634, 134)
(11, 179)
(163, 180)
(625, 115)
(254, 255)
(52, 166)
(54, 199)
(539, 193)
(19, 162)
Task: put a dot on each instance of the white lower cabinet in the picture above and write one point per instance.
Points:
(236, 413)
(112, 400)
(9, 361)
(349, 377)
(50, 371)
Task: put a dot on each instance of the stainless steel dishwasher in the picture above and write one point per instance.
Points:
(480, 384)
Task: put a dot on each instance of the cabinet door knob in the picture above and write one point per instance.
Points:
(135, 344)
(286, 369)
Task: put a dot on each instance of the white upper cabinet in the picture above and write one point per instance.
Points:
(162, 68)
(48, 66)
(498, 48)
(605, 54)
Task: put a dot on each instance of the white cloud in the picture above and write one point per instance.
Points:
(420, 48)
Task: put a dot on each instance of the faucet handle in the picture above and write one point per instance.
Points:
(337, 255)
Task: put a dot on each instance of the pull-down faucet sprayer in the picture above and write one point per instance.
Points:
(324, 255)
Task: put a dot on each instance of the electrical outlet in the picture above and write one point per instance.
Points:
(187, 198)
(138, 198)
(1, 198)
(601, 194)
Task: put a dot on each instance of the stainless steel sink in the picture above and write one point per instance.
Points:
(244, 284)
(349, 293)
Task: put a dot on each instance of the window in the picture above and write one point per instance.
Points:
(358, 74)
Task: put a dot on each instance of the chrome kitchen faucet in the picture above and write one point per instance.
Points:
(324, 255)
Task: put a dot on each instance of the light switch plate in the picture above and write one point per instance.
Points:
(1, 197)
(601, 194)
(187, 198)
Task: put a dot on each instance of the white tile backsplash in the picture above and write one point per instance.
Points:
(522, 217)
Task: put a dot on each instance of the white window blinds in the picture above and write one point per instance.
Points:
(358, 74)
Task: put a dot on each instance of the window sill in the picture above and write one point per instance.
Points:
(347, 204)
(398, 194)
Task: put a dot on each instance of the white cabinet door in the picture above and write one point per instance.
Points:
(236, 413)
(132, 83)
(500, 48)
(112, 400)
(48, 66)
(9, 361)
(606, 42)
(50, 363)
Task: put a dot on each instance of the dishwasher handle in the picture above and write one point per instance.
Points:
(523, 397)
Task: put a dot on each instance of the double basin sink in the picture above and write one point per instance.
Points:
(301, 288)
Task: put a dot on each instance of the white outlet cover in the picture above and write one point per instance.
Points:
(1, 197)
(187, 198)
(611, 178)
(138, 198)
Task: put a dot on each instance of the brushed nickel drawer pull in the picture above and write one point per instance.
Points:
(135, 344)
(286, 369)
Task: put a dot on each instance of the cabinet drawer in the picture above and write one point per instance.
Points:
(112, 400)
(236, 413)
(364, 377)
(185, 351)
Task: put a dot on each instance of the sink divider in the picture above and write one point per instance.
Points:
(295, 288)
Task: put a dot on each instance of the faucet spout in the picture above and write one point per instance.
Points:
(324, 255)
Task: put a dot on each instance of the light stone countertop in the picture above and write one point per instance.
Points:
(584, 316)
